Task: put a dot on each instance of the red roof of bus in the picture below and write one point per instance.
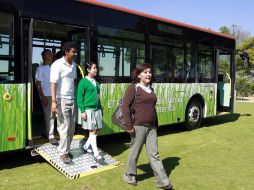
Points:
(94, 2)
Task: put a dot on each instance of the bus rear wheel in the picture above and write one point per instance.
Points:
(193, 115)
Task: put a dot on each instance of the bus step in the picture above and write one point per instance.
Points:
(81, 165)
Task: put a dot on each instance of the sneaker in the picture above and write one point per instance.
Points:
(98, 158)
(168, 187)
(65, 158)
(129, 179)
(53, 141)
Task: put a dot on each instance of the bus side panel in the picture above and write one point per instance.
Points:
(172, 100)
(110, 95)
(13, 116)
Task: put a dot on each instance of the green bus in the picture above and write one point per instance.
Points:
(193, 68)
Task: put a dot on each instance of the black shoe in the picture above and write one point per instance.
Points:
(53, 141)
(168, 187)
(98, 158)
(129, 179)
(65, 159)
(87, 151)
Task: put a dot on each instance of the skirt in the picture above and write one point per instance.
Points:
(93, 121)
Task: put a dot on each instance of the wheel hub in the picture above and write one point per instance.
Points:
(194, 114)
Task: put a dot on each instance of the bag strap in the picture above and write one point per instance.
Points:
(133, 104)
(134, 101)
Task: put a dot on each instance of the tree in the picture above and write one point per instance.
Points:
(244, 43)
(225, 30)
(236, 31)
(248, 47)
(244, 86)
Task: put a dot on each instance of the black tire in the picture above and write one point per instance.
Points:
(193, 115)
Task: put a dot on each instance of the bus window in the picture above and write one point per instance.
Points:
(167, 57)
(6, 73)
(134, 54)
(190, 62)
(6, 37)
(39, 44)
(177, 61)
(6, 48)
(78, 36)
(109, 57)
(158, 57)
(118, 52)
(206, 64)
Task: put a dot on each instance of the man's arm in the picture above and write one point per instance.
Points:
(53, 97)
(44, 100)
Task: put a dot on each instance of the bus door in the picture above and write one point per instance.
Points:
(81, 37)
(50, 35)
(225, 85)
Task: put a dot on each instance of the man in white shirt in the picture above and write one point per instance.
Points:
(62, 77)
(42, 77)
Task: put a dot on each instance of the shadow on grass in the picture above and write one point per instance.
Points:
(207, 122)
(117, 143)
(15, 159)
(169, 164)
(114, 144)
(170, 129)
(221, 119)
(246, 114)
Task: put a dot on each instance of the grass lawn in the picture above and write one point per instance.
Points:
(218, 156)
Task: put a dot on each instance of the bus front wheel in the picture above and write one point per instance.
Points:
(193, 115)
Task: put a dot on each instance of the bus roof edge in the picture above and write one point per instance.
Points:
(106, 5)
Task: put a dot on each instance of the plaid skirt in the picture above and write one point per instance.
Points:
(93, 121)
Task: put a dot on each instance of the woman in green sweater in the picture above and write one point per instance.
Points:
(88, 99)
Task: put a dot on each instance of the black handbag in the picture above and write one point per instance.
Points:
(117, 117)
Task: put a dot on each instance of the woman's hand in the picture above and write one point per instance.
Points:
(131, 132)
(84, 116)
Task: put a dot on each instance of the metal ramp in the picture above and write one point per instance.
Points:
(81, 165)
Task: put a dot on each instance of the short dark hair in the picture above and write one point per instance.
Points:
(89, 65)
(139, 69)
(68, 45)
(59, 54)
(45, 51)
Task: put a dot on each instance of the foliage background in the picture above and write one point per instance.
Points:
(244, 72)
